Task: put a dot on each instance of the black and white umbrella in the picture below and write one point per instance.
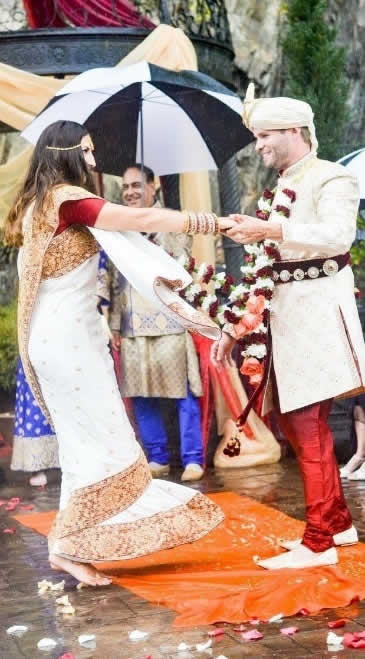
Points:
(171, 121)
(355, 163)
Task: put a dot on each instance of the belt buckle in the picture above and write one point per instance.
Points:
(298, 274)
(285, 275)
(313, 272)
(330, 267)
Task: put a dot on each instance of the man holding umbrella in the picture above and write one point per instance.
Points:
(317, 348)
(158, 357)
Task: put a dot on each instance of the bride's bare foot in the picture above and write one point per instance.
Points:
(81, 571)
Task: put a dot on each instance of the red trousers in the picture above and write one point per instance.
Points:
(308, 432)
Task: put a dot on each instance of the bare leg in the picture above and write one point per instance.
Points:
(81, 571)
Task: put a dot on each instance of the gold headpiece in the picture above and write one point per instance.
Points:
(63, 148)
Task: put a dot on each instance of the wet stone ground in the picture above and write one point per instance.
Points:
(110, 613)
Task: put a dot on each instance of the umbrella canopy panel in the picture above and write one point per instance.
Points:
(355, 163)
(172, 121)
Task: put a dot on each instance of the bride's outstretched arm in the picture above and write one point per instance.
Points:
(114, 217)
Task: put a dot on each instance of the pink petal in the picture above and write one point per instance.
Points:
(67, 655)
(288, 631)
(3, 502)
(356, 640)
(255, 621)
(335, 624)
(253, 635)
(9, 530)
(216, 632)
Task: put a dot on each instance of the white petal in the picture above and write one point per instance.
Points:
(46, 643)
(204, 646)
(136, 635)
(63, 601)
(86, 638)
(333, 639)
(276, 618)
(19, 630)
(182, 647)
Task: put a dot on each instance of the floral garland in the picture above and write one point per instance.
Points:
(246, 315)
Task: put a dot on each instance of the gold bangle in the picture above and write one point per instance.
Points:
(186, 222)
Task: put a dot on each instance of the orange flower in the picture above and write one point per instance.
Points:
(253, 369)
(248, 323)
(256, 304)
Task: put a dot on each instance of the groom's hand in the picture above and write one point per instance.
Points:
(249, 229)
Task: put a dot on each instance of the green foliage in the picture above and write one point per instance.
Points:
(316, 71)
(8, 346)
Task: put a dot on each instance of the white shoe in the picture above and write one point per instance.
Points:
(300, 557)
(358, 475)
(38, 480)
(192, 472)
(158, 470)
(349, 468)
(348, 537)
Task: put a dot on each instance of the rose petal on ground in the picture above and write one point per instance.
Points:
(19, 630)
(334, 639)
(137, 635)
(63, 601)
(252, 635)
(3, 502)
(222, 656)
(288, 631)
(9, 530)
(203, 646)
(182, 647)
(304, 612)
(217, 632)
(86, 638)
(58, 586)
(46, 644)
(276, 618)
(68, 655)
(335, 624)
(354, 640)
(255, 621)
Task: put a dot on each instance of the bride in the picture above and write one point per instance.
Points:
(110, 509)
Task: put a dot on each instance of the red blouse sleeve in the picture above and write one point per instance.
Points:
(81, 211)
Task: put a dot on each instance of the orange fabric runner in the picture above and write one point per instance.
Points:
(215, 579)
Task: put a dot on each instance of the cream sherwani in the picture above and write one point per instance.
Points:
(318, 345)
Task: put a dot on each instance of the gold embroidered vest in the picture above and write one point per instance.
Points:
(45, 255)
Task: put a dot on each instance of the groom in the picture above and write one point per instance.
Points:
(318, 350)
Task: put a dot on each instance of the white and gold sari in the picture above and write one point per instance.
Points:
(110, 508)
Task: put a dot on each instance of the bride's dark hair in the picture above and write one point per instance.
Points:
(47, 168)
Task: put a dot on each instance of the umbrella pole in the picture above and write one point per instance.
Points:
(142, 147)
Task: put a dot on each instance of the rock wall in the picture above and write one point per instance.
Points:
(256, 26)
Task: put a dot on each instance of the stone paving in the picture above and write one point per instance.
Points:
(110, 613)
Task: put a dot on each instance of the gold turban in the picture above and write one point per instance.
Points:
(277, 114)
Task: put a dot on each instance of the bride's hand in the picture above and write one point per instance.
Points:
(226, 223)
(221, 351)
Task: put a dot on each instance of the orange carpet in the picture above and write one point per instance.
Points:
(216, 579)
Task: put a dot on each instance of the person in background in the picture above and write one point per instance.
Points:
(158, 357)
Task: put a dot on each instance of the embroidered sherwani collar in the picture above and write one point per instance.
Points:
(299, 167)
